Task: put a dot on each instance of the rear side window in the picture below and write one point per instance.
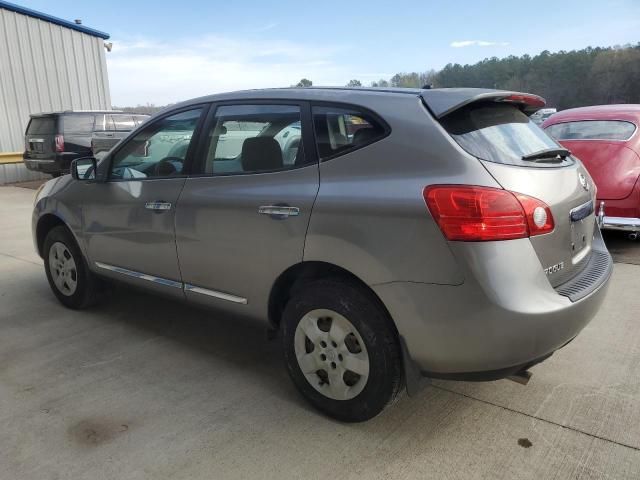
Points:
(341, 130)
(42, 126)
(497, 132)
(592, 130)
(78, 123)
(255, 138)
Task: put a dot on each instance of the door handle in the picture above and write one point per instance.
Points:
(158, 206)
(279, 211)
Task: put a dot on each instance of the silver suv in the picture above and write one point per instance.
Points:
(388, 235)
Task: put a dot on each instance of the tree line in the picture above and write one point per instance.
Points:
(566, 79)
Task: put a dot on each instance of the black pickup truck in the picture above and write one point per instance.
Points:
(53, 140)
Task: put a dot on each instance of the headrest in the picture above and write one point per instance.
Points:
(261, 153)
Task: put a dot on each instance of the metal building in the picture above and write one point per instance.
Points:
(46, 64)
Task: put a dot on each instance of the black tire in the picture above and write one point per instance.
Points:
(88, 286)
(362, 310)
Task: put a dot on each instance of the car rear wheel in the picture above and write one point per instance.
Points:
(69, 278)
(341, 350)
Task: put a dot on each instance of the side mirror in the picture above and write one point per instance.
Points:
(84, 168)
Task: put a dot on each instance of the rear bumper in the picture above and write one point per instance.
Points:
(58, 164)
(504, 317)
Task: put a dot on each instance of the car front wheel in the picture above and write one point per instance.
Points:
(69, 278)
(341, 350)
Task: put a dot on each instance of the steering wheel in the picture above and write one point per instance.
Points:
(167, 167)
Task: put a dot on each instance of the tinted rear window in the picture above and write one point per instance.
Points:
(592, 130)
(78, 123)
(42, 126)
(497, 132)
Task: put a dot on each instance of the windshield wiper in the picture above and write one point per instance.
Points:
(550, 154)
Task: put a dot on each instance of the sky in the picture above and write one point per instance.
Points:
(168, 51)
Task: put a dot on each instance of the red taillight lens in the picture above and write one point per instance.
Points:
(59, 143)
(479, 214)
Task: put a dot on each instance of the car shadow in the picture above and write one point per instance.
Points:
(220, 338)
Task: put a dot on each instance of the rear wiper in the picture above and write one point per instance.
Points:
(554, 153)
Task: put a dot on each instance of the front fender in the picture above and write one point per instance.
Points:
(58, 201)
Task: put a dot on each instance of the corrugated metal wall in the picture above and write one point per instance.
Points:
(46, 67)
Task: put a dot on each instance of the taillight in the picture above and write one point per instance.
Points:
(480, 214)
(59, 143)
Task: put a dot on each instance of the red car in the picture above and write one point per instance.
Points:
(605, 139)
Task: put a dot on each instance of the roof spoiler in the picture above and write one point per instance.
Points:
(443, 101)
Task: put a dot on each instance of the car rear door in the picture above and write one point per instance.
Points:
(242, 218)
(129, 219)
(499, 134)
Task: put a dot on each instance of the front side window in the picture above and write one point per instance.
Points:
(159, 150)
(80, 123)
(592, 130)
(255, 138)
(339, 130)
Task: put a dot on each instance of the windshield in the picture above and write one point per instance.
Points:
(498, 133)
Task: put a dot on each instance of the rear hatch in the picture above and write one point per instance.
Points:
(496, 129)
(40, 137)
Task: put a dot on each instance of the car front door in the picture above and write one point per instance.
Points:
(243, 215)
(129, 219)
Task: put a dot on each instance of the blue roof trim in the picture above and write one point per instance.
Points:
(48, 18)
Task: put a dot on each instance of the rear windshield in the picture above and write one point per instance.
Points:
(42, 126)
(78, 123)
(592, 130)
(498, 133)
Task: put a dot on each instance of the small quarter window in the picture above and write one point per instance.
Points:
(592, 130)
(341, 130)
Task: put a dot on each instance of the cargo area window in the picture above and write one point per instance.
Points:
(592, 130)
(341, 130)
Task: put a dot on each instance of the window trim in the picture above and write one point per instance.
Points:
(188, 161)
(198, 170)
(347, 106)
(635, 129)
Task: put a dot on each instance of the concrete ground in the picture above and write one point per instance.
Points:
(141, 387)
